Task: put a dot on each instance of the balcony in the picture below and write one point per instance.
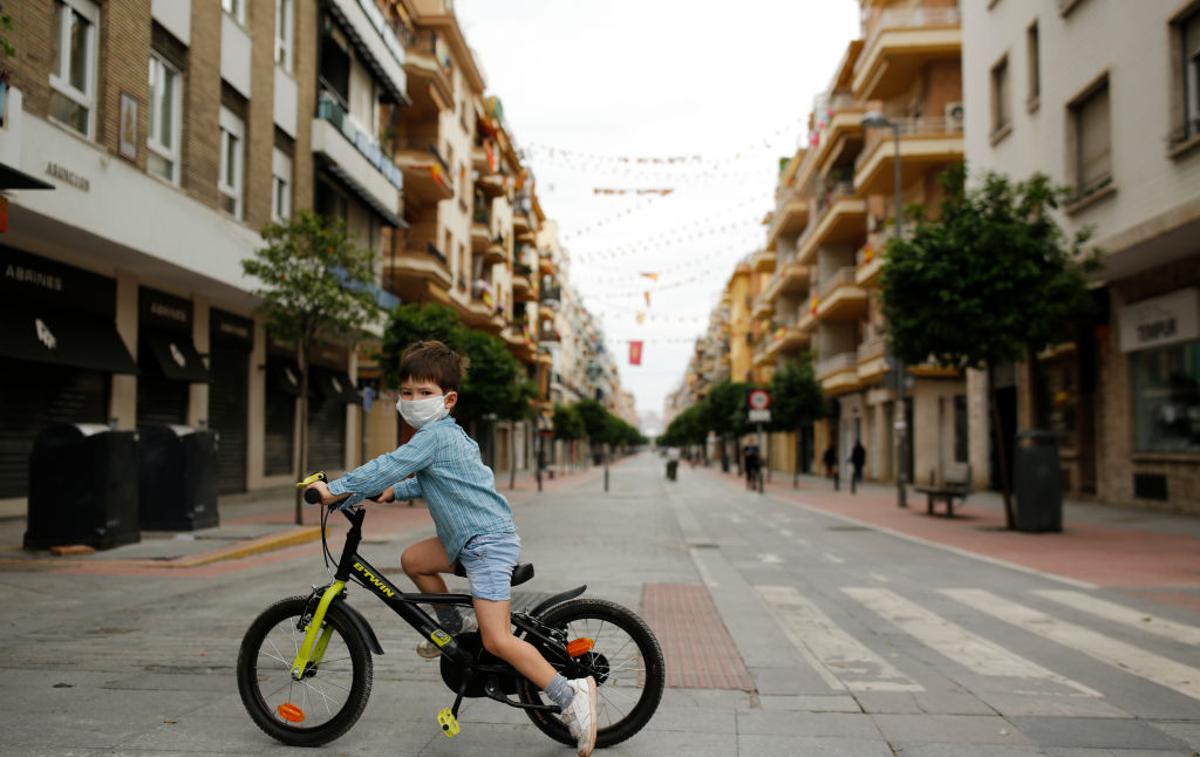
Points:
(426, 175)
(430, 69)
(762, 261)
(838, 127)
(925, 144)
(548, 298)
(841, 298)
(376, 43)
(416, 274)
(762, 307)
(356, 158)
(838, 373)
(872, 359)
(522, 284)
(788, 220)
(481, 225)
(869, 259)
(484, 158)
(898, 43)
(496, 251)
(841, 219)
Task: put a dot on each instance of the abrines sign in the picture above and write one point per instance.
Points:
(1160, 321)
(29, 280)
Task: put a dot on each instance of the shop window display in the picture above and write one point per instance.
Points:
(1166, 398)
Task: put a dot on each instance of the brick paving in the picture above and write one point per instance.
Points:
(699, 652)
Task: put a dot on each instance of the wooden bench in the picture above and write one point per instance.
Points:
(955, 484)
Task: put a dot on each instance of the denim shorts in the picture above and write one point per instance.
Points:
(488, 560)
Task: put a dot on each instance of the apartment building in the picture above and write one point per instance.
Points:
(171, 132)
(1103, 96)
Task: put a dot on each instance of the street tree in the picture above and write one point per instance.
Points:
(313, 282)
(724, 412)
(796, 401)
(989, 278)
(568, 426)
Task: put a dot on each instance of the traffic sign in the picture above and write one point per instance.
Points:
(759, 399)
(760, 416)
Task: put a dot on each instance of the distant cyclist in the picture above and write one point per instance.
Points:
(751, 464)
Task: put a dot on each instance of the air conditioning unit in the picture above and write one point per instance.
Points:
(954, 116)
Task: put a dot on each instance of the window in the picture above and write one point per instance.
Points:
(233, 139)
(236, 9)
(73, 78)
(283, 34)
(281, 186)
(335, 66)
(1001, 111)
(1166, 398)
(1188, 75)
(165, 121)
(1033, 64)
(1092, 154)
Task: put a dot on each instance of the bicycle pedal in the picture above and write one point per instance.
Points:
(448, 723)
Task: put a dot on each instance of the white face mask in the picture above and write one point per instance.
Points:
(417, 413)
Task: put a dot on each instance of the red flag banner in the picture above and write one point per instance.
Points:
(635, 352)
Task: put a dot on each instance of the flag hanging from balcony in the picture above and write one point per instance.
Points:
(646, 296)
(635, 352)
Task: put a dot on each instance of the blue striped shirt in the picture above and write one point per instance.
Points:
(450, 476)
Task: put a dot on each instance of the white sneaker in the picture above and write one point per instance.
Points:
(580, 715)
(431, 651)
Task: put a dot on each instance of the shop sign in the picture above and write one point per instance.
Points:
(163, 310)
(231, 329)
(30, 278)
(1160, 321)
(68, 176)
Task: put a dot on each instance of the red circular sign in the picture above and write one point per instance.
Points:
(760, 399)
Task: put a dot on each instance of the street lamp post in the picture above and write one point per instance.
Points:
(876, 120)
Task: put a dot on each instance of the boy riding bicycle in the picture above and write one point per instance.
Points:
(474, 526)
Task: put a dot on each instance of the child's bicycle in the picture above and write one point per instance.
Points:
(304, 670)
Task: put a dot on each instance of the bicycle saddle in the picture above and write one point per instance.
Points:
(522, 573)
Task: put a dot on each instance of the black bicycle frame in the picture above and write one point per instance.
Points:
(351, 565)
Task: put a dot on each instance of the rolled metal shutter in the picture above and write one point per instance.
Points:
(227, 413)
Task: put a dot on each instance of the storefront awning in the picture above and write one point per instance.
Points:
(64, 339)
(335, 386)
(176, 356)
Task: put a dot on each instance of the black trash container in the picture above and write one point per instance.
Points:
(1037, 482)
(83, 487)
(177, 478)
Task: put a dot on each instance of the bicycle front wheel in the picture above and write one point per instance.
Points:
(627, 663)
(331, 695)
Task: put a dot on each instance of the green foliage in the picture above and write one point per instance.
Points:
(495, 381)
(989, 278)
(312, 280)
(602, 427)
(724, 409)
(568, 424)
(796, 397)
(685, 429)
(6, 46)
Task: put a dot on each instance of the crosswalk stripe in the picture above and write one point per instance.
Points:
(839, 658)
(973, 652)
(1102, 608)
(1155, 668)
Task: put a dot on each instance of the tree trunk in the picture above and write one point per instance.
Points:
(799, 456)
(512, 455)
(1001, 449)
(303, 455)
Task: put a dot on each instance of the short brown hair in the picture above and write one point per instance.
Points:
(432, 361)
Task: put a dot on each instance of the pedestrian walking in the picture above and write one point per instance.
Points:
(751, 465)
(858, 458)
(831, 465)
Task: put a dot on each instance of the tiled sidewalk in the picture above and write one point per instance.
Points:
(1146, 551)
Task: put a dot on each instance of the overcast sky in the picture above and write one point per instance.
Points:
(726, 86)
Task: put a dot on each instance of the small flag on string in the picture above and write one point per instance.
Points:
(651, 276)
(646, 295)
(641, 318)
(635, 352)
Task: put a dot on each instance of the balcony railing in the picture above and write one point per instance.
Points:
(481, 214)
(330, 110)
(428, 42)
(874, 347)
(843, 361)
(909, 127)
(841, 188)
(434, 252)
(908, 18)
(841, 277)
(520, 269)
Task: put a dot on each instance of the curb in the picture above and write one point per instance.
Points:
(260, 545)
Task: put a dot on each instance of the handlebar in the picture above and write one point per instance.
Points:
(313, 497)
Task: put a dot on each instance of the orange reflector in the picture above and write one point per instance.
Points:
(290, 712)
(577, 647)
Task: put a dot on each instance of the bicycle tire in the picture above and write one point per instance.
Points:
(655, 671)
(247, 675)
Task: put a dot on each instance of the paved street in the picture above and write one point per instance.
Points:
(788, 631)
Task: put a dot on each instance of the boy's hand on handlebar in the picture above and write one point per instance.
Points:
(327, 498)
(387, 495)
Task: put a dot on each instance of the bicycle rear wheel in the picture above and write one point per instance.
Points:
(331, 696)
(627, 663)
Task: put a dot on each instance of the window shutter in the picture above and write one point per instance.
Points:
(1095, 151)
